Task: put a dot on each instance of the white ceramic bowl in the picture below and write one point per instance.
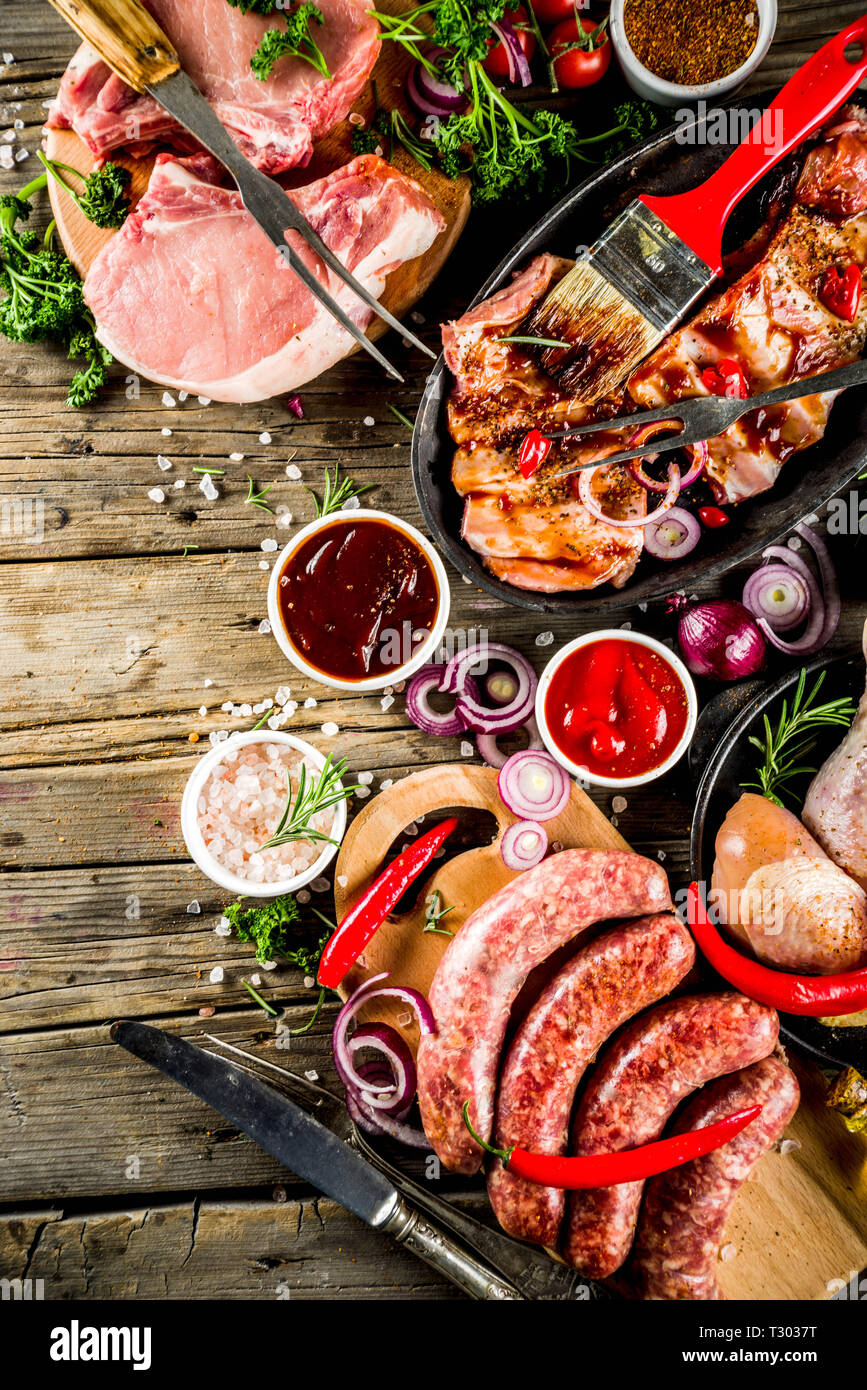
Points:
(617, 635)
(215, 871)
(427, 649)
(654, 88)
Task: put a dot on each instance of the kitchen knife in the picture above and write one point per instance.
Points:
(284, 1130)
(131, 42)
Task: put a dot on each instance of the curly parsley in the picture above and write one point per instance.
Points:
(295, 41)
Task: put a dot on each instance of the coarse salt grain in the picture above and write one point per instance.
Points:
(790, 1146)
(383, 787)
(618, 804)
(309, 982)
(264, 626)
(264, 437)
(293, 472)
(342, 880)
(263, 565)
(179, 483)
(319, 885)
(156, 494)
(168, 399)
(203, 709)
(204, 400)
(193, 908)
(207, 682)
(386, 702)
(269, 544)
(256, 979)
(236, 458)
(312, 1075)
(329, 728)
(165, 432)
(182, 395)
(284, 518)
(544, 639)
(362, 793)
(269, 965)
(216, 975)
(164, 463)
(365, 778)
(310, 702)
(303, 896)
(369, 420)
(466, 749)
(223, 927)
(728, 1252)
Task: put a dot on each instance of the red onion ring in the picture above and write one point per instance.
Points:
(477, 716)
(495, 757)
(585, 492)
(381, 1037)
(697, 453)
(665, 546)
(797, 601)
(534, 786)
(824, 602)
(519, 67)
(418, 707)
(432, 96)
(524, 845)
(381, 1124)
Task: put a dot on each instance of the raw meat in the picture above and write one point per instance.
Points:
(274, 122)
(836, 804)
(773, 323)
(533, 532)
(190, 292)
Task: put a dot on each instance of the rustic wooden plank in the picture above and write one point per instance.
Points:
(215, 1250)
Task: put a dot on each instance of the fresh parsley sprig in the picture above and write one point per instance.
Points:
(104, 200)
(295, 41)
(337, 492)
(313, 795)
(794, 738)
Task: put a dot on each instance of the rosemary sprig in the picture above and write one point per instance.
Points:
(263, 1004)
(213, 472)
(533, 342)
(257, 499)
(434, 914)
(794, 737)
(312, 797)
(337, 492)
(399, 415)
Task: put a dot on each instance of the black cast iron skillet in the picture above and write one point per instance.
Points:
(664, 164)
(732, 763)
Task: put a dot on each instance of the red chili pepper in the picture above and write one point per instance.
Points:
(840, 290)
(372, 908)
(726, 378)
(813, 996)
(629, 1165)
(713, 517)
(534, 450)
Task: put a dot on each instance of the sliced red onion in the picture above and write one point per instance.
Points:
(493, 754)
(779, 594)
(381, 1037)
(824, 604)
(519, 67)
(673, 535)
(524, 845)
(432, 96)
(698, 453)
(534, 786)
(585, 492)
(296, 405)
(420, 711)
(477, 716)
(380, 1124)
(372, 989)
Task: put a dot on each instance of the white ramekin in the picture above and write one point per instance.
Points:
(427, 649)
(654, 88)
(617, 635)
(233, 883)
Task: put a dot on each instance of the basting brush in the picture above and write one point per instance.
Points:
(661, 253)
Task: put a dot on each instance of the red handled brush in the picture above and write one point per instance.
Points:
(661, 254)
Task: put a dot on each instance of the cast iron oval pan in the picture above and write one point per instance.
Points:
(731, 763)
(662, 165)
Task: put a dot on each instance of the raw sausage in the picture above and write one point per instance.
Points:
(649, 1069)
(485, 966)
(685, 1211)
(612, 978)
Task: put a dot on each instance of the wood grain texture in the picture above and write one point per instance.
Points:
(107, 635)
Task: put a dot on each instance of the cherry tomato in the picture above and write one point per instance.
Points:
(579, 67)
(553, 11)
(497, 61)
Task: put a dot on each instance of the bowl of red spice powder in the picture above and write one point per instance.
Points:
(679, 51)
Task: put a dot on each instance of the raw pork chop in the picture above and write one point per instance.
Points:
(274, 122)
(773, 323)
(533, 533)
(190, 292)
(836, 806)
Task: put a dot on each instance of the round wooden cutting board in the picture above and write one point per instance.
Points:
(798, 1229)
(83, 242)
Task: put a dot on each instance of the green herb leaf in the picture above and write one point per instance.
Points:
(104, 201)
(312, 797)
(534, 342)
(265, 924)
(257, 499)
(337, 492)
(794, 738)
(434, 914)
(295, 41)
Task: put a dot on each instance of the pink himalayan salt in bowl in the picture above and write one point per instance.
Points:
(233, 802)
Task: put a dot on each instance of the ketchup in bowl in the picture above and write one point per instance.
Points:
(617, 708)
(358, 598)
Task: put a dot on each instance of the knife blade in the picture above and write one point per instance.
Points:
(298, 1140)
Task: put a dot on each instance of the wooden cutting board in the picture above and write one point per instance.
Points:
(800, 1224)
(83, 242)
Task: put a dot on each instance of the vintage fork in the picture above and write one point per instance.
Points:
(533, 1273)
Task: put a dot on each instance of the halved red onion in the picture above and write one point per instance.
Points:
(585, 492)
(534, 786)
(780, 594)
(483, 720)
(430, 95)
(673, 535)
(420, 711)
(519, 67)
(493, 754)
(524, 845)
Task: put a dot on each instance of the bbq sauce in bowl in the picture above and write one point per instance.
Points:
(358, 598)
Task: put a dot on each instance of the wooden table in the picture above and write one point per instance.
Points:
(114, 613)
